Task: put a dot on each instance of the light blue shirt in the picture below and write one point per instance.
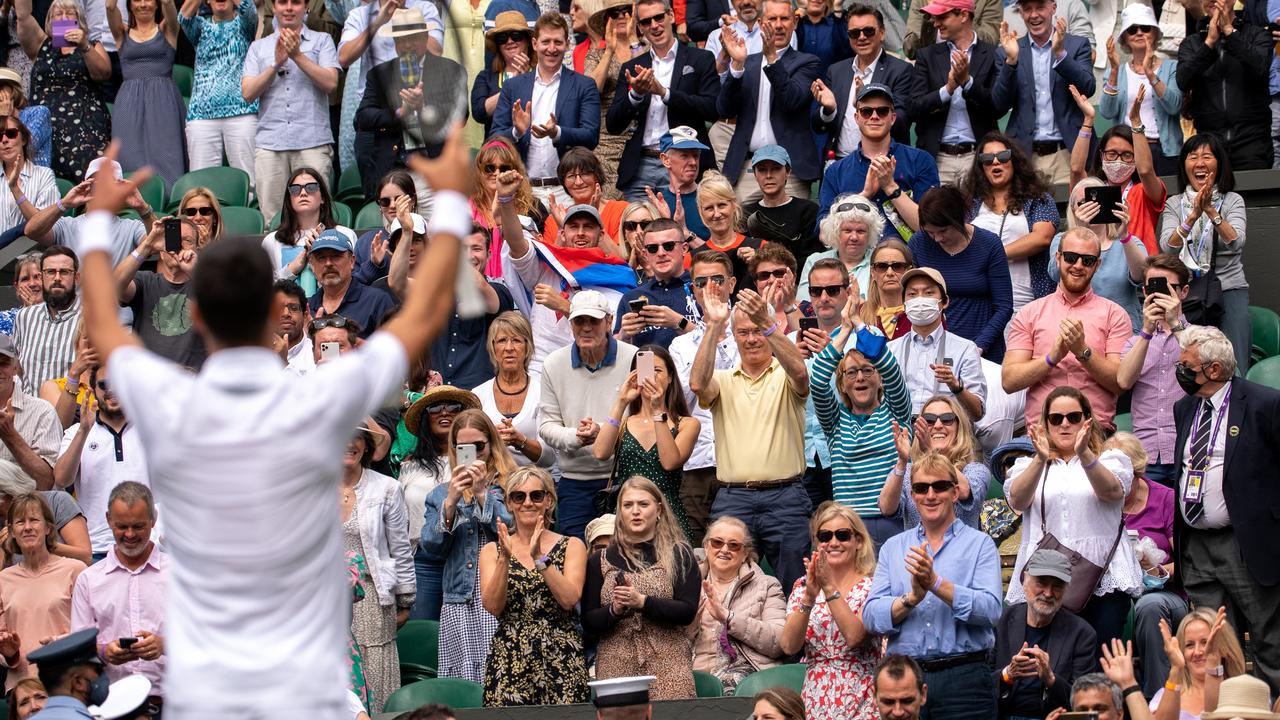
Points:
(915, 354)
(957, 129)
(294, 113)
(1042, 65)
(754, 40)
(1273, 12)
(61, 707)
(815, 440)
(968, 559)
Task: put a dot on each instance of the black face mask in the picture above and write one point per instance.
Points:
(99, 688)
(1187, 380)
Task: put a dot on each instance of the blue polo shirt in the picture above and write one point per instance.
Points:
(461, 353)
(673, 293)
(367, 306)
(692, 219)
(610, 356)
(915, 174)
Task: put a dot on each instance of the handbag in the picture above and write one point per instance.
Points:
(606, 498)
(1203, 304)
(1085, 574)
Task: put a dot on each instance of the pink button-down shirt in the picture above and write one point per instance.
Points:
(1154, 393)
(120, 602)
(1036, 326)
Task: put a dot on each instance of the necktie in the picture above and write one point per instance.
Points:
(1199, 457)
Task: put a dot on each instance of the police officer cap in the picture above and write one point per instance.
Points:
(78, 648)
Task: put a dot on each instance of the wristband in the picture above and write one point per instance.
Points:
(95, 233)
(937, 583)
(1125, 240)
(134, 254)
(61, 207)
(505, 199)
(1049, 362)
(1124, 694)
(450, 214)
(614, 423)
(1145, 335)
(1185, 228)
(805, 607)
(1092, 465)
(1004, 675)
(770, 330)
(1171, 687)
(1085, 133)
(21, 199)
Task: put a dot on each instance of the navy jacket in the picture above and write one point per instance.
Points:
(933, 63)
(1071, 646)
(703, 16)
(694, 86)
(1015, 90)
(486, 84)
(577, 111)
(791, 78)
(891, 72)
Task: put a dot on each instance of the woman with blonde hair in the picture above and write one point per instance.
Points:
(635, 219)
(942, 426)
(641, 593)
(721, 212)
(201, 207)
(462, 515)
(1205, 652)
(847, 233)
(824, 618)
(497, 156)
(884, 306)
(531, 580)
(511, 398)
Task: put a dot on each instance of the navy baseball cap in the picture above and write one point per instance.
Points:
(332, 240)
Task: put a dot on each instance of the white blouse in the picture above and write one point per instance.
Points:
(526, 421)
(1080, 521)
(418, 482)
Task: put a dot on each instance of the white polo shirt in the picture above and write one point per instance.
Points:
(106, 461)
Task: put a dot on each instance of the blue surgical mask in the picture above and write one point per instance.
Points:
(1152, 582)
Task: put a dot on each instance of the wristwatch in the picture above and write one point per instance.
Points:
(541, 563)
(684, 324)
(1217, 672)
(1084, 356)
(1216, 221)
(660, 417)
(1179, 327)
(906, 602)
(895, 194)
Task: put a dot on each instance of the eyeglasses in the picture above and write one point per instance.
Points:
(898, 267)
(866, 32)
(646, 22)
(829, 290)
(843, 535)
(517, 497)
(296, 189)
(1188, 369)
(718, 543)
(764, 275)
(1114, 155)
(329, 321)
(947, 419)
(293, 307)
(937, 486)
(11, 133)
(58, 272)
(490, 168)
(1071, 258)
(449, 406)
(1140, 29)
(503, 38)
(701, 282)
(1070, 418)
(1001, 157)
(667, 246)
(388, 201)
(877, 110)
(851, 205)
(634, 225)
(617, 12)
(856, 371)
(577, 177)
(201, 211)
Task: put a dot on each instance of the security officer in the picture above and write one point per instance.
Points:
(73, 675)
(624, 698)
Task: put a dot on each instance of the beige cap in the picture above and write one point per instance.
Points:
(601, 526)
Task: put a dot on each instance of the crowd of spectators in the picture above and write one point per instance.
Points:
(740, 376)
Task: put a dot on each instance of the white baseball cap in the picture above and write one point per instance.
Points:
(591, 303)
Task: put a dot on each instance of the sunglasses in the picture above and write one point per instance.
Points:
(634, 225)
(296, 189)
(866, 32)
(854, 372)
(201, 211)
(1140, 29)
(996, 157)
(938, 486)
(829, 290)
(718, 543)
(898, 267)
(877, 111)
(764, 275)
(618, 12)
(843, 535)
(330, 321)
(667, 246)
(517, 497)
(852, 205)
(449, 407)
(701, 282)
(1071, 418)
(947, 419)
(503, 38)
(1071, 258)
(646, 22)
(387, 202)
(102, 385)
(11, 133)
(490, 168)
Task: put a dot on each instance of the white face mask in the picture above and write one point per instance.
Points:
(922, 310)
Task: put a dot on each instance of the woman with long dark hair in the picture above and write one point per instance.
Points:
(306, 211)
(395, 196)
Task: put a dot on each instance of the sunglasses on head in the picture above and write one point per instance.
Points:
(701, 282)
(1140, 29)
(830, 290)
(503, 38)
(517, 497)
(996, 157)
(1070, 418)
(490, 168)
(718, 543)
(764, 275)
(201, 211)
(667, 246)
(898, 267)
(633, 225)
(938, 486)
(449, 406)
(843, 535)
(296, 189)
(876, 110)
(329, 321)
(851, 205)
(947, 419)
(618, 12)
(646, 22)
(1071, 258)
(865, 32)
(11, 133)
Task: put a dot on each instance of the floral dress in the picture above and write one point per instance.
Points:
(633, 459)
(355, 664)
(81, 124)
(838, 683)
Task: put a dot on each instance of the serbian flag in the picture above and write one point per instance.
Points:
(587, 267)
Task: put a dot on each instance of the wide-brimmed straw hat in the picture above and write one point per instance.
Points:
(598, 21)
(438, 394)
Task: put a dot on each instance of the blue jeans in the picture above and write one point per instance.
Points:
(650, 173)
(882, 527)
(576, 504)
(778, 520)
(430, 576)
(1147, 641)
(965, 692)
(1237, 326)
(1165, 474)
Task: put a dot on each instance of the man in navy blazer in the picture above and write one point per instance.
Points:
(770, 94)
(954, 78)
(701, 17)
(671, 85)
(870, 66)
(1228, 514)
(1035, 73)
(549, 109)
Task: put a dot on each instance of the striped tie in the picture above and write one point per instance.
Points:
(1199, 457)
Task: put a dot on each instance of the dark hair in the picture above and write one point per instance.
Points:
(352, 327)
(1124, 132)
(943, 206)
(1170, 262)
(713, 257)
(403, 180)
(433, 711)
(831, 264)
(233, 290)
(677, 406)
(133, 17)
(23, 130)
(1223, 178)
(56, 250)
(292, 289)
(288, 229)
(772, 253)
(859, 10)
(896, 666)
(783, 699)
(1070, 391)
(551, 21)
(1027, 184)
(580, 159)
(661, 224)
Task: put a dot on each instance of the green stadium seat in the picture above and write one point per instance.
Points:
(454, 692)
(1124, 422)
(230, 185)
(790, 676)
(369, 218)
(342, 213)
(241, 221)
(349, 189)
(1266, 373)
(153, 192)
(418, 644)
(1266, 333)
(708, 685)
(185, 79)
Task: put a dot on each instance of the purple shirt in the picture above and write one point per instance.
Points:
(1154, 394)
(119, 602)
(1155, 519)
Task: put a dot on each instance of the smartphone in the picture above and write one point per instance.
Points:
(1273, 27)
(808, 323)
(330, 350)
(466, 454)
(126, 643)
(1107, 198)
(1158, 285)
(1078, 716)
(644, 365)
(637, 305)
(949, 362)
(622, 579)
(60, 29)
(173, 235)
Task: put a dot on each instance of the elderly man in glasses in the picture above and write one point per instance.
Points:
(662, 307)
(1072, 337)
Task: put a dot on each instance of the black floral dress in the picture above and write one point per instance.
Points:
(81, 123)
(536, 655)
(633, 459)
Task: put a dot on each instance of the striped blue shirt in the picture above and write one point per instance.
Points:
(862, 448)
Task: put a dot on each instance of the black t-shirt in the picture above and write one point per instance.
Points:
(792, 225)
(1025, 698)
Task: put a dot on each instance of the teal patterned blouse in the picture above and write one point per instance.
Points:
(220, 51)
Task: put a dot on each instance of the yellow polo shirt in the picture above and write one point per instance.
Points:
(759, 426)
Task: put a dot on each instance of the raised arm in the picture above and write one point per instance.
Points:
(1080, 150)
(702, 377)
(30, 35)
(786, 352)
(168, 21)
(115, 22)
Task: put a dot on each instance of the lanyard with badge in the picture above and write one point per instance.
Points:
(1194, 492)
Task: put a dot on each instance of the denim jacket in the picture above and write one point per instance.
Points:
(459, 546)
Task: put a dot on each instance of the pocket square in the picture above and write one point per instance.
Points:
(686, 70)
